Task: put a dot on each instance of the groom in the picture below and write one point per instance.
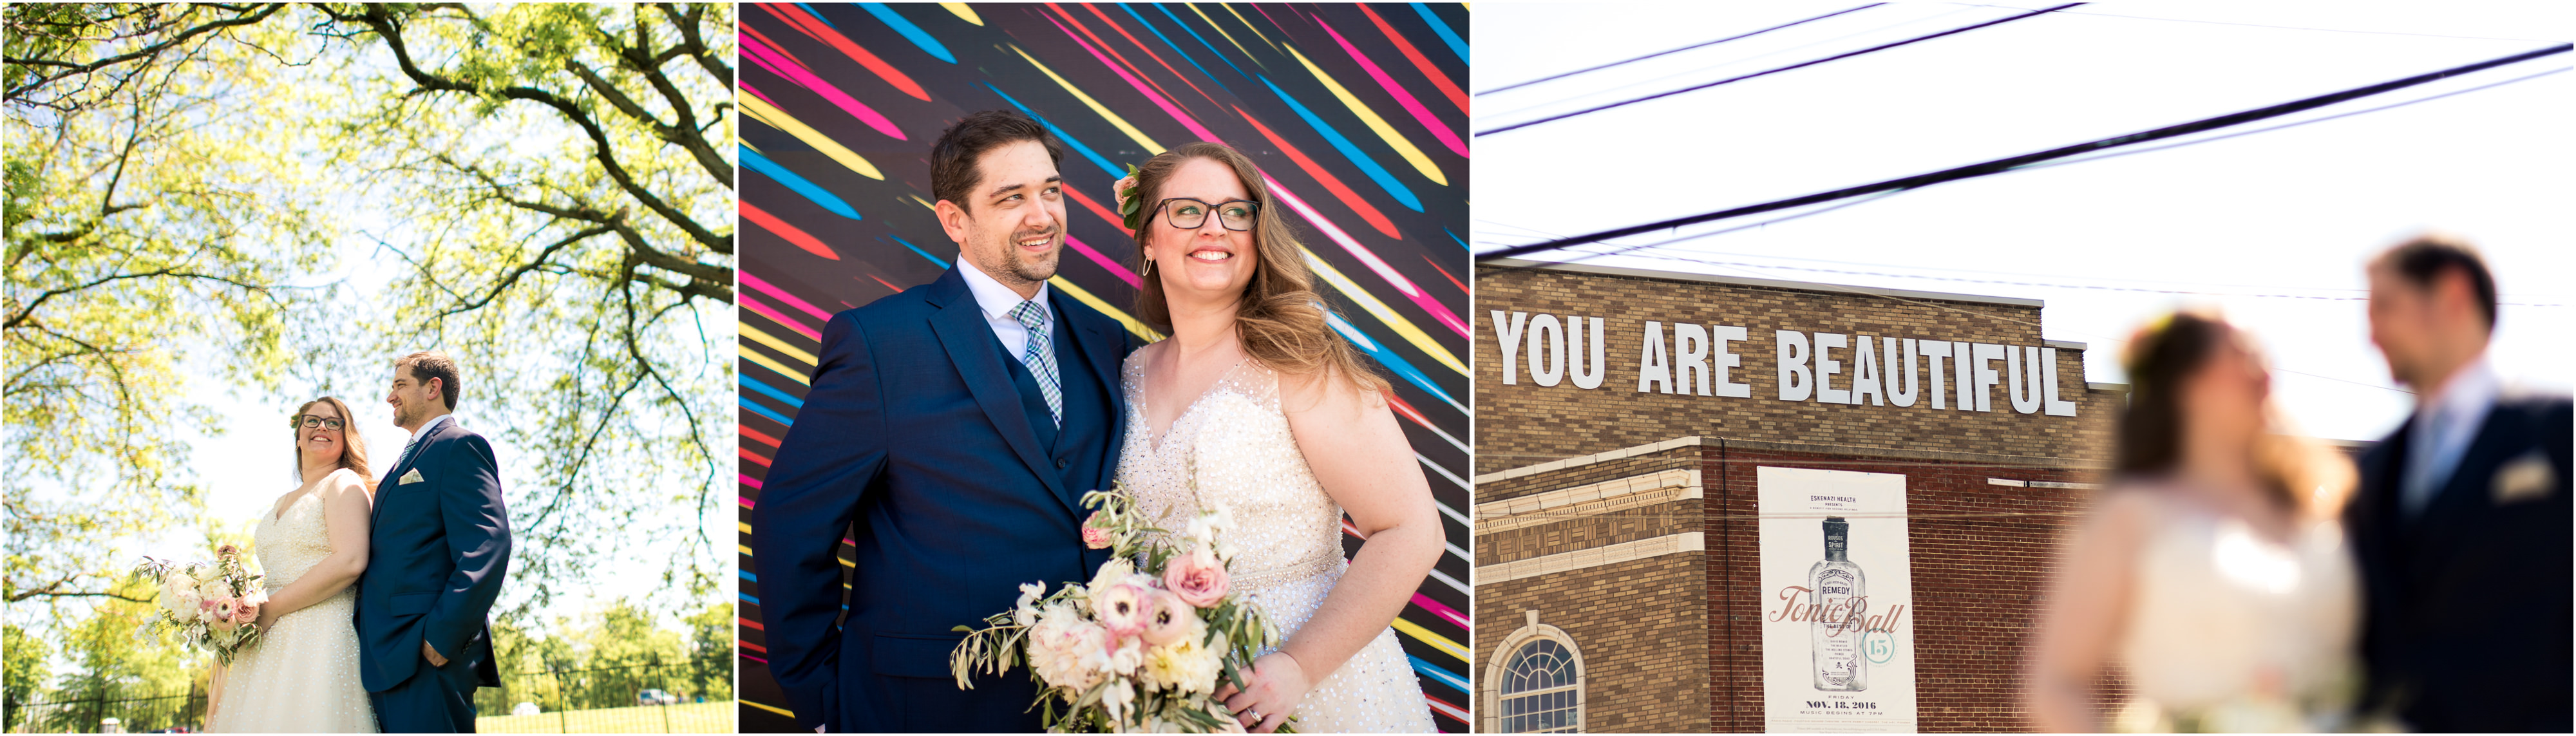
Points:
(440, 547)
(958, 423)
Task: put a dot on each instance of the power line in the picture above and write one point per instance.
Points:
(1697, 72)
(1799, 65)
(2002, 165)
(1701, 44)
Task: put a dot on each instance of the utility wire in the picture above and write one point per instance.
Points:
(1799, 65)
(2002, 165)
(1587, 70)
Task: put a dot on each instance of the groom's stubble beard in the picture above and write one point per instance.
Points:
(1018, 269)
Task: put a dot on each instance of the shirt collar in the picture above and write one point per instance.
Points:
(991, 296)
(2474, 385)
(433, 424)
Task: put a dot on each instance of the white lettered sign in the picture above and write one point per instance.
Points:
(1838, 614)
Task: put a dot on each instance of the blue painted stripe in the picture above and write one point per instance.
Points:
(917, 249)
(754, 161)
(1350, 151)
(1393, 362)
(748, 597)
(919, 38)
(1456, 44)
(1114, 172)
(1176, 48)
(756, 408)
(1185, 28)
(782, 396)
(818, 15)
(1445, 677)
(746, 575)
(1453, 237)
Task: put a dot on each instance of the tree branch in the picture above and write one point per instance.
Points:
(70, 69)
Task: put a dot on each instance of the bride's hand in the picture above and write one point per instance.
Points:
(267, 618)
(1277, 684)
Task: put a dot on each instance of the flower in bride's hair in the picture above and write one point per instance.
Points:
(1120, 608)
(1095, 532)
(1198, 577)
(1025, 612)
(1168, 619)
(1130, 209)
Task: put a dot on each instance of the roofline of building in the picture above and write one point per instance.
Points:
(1643, 273)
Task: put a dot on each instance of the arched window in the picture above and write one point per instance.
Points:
(1542, 690)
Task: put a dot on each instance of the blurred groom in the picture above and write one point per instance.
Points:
(2462, 524)
(959, 424)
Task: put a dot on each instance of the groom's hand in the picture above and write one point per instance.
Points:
(431, 653)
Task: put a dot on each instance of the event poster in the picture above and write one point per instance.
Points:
(1837, 632)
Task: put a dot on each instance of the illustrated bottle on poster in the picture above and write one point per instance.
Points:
(1836, 595)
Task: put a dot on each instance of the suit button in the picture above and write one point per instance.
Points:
(1060, 463)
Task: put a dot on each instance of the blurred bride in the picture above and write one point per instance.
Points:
(2212, 568)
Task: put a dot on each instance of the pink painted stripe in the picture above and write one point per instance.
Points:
(746, 87)
(752, 658)
(1115, 269)
(1450, 614)
(1419, 297)
(783, 297)
(749, 481)
(746, 500)
(1402, 97)
(1149, 94)
(781, 319)
(768, 59)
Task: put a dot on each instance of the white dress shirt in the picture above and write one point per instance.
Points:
(997, 301)
(2445, 424)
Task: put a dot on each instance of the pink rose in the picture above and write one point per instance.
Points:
(1198, 578)
(1120, 608)
(227, 551)
(245, 613)
(1092, 535)
(1167, 619)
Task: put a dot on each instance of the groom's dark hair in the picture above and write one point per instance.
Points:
(953, 175)
(428, 364)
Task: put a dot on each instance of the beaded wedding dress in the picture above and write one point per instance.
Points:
(1234, 441)
(302, 676)
(2231, 632)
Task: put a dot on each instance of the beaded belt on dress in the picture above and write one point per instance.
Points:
(1322, 562)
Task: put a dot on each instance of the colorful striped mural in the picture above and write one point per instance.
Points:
(1356, 113)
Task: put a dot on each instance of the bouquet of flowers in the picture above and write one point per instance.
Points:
(211, 605)
(1145, 645)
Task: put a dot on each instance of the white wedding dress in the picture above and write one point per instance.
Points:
(302, 675)
(1234, 442)
(2231, 632)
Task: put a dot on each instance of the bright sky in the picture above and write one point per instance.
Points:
(2251, 220)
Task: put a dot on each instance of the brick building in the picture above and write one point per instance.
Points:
(1624, 438)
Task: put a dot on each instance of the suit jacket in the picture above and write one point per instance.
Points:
(2465, 625)
(436, 557)
(923, 431)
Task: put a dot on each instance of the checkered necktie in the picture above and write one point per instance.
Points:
(1039, 359)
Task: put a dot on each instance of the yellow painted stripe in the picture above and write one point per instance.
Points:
(774, 343)
(745, 527)
(1247, 25)
(1435, 640)
(770, 708)
(1220, 30)
(1375, 124)
(1403, 327)
(746, 551)
(924, 203)
(1121, 123)
(1133, 325)
(847, 563)
(963, 11)
(776, 118)
(765, 362)
(754, 149)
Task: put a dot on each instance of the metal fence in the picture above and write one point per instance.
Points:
(642, 698)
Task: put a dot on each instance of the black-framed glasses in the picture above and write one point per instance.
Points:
(309, 421)
(1189, 213)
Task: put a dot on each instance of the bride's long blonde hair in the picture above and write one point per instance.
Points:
(353, 448)
(1280, 319)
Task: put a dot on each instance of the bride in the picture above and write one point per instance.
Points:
(2212, 568)
(302, 675)
(1255, 403)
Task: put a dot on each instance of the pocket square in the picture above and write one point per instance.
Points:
(2526, 478)
(410, 477)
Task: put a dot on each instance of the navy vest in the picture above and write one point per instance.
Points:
(1079, 451)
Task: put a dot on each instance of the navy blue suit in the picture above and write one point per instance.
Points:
(435, 560)
(2465, 625)
(925, 431)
